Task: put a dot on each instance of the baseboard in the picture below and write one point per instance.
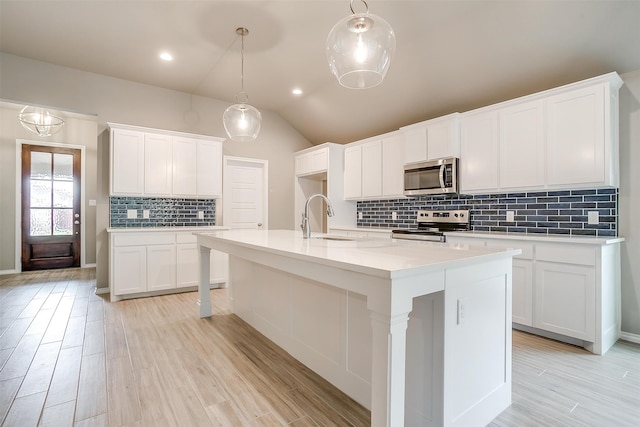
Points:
(627, 336)
(3, 272)
(102, 291)
(92, 265)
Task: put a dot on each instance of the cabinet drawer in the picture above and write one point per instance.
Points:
(143, 239)
(186, 238)
(566, 254)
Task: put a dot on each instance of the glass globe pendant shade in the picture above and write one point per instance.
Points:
(242, 122)
(40, 121)
(359, 50)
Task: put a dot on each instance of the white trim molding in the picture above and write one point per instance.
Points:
(628, 336)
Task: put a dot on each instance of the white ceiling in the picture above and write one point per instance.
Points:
(451, 55)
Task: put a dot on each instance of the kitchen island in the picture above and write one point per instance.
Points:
(417, 332)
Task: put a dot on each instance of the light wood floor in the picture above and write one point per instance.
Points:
(69, 357)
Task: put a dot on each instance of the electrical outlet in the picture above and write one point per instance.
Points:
(145, 214)
(200, 214)
(394, 216)
(593, 217)
(132, 214)
(510, 216)
(462, 310)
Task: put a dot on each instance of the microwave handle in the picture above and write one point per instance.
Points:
(442, 168)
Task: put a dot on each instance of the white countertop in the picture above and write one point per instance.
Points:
(533, 237)
(165, 229)
(379, 257)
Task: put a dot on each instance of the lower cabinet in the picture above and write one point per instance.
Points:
(566, 291)
(149, 263)
(188, 264)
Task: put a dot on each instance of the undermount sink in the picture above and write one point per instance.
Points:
(338, 238)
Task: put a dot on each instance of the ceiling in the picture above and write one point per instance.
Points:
(451, 55)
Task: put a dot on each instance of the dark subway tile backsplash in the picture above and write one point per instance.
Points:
(163, 212)
(544, 212)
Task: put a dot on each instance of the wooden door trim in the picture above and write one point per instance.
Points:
(18, 200)
(264, 165)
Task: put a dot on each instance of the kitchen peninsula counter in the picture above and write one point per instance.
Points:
(418, 332)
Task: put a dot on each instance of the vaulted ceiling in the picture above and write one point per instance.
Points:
(451, 55)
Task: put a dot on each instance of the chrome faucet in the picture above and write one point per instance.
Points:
(306, 227)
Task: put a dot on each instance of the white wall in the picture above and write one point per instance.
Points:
(629, 201)
(120, 101)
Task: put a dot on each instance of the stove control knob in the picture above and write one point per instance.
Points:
(456, 215)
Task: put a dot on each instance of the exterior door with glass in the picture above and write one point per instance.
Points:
(50, 207)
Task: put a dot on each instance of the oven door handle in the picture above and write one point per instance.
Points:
(442, 168)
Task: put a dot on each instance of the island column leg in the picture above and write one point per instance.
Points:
(204, 296)
(388, 368)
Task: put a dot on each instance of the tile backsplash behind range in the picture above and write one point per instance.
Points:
(545, 212)
(163, 212)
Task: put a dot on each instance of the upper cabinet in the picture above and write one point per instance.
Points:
(479, 156)
(373, 168)
(312, 162)
(158, 161)
(151, 162)
(432, 139)
(558, 139)
(522, 153)
(127, 162)
(579, 139)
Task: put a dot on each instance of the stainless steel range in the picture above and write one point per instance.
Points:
(433, 224)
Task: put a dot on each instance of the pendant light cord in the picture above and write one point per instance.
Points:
(242, 62)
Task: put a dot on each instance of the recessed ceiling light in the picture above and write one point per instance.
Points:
(297, 91)
(166, 56)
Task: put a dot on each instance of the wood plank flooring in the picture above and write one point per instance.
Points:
(70, 358)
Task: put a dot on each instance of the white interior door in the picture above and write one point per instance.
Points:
(245, 197)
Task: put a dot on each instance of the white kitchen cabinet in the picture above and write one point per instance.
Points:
(521, 143)
(522, 293)
(128, 270)
(578, 147)
(154, 162)
(158, 161)
(563, 138)
(127, 162)
(161, 267)
(393, 165)
(312, 162)
(479, 152)
(154, 262)
(197, 167)
(188, 269)
(353, 172)
(372, 169)
(185, 157)
(563, 290)
(565, 299)
(209, 169)
(432, 139)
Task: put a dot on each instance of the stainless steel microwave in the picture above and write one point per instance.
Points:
(432, 177)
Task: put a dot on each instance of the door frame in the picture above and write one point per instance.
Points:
(259, 163)
(18, 202)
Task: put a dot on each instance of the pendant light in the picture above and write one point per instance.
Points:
(360, 48)
(40, 121)
(242, 121)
